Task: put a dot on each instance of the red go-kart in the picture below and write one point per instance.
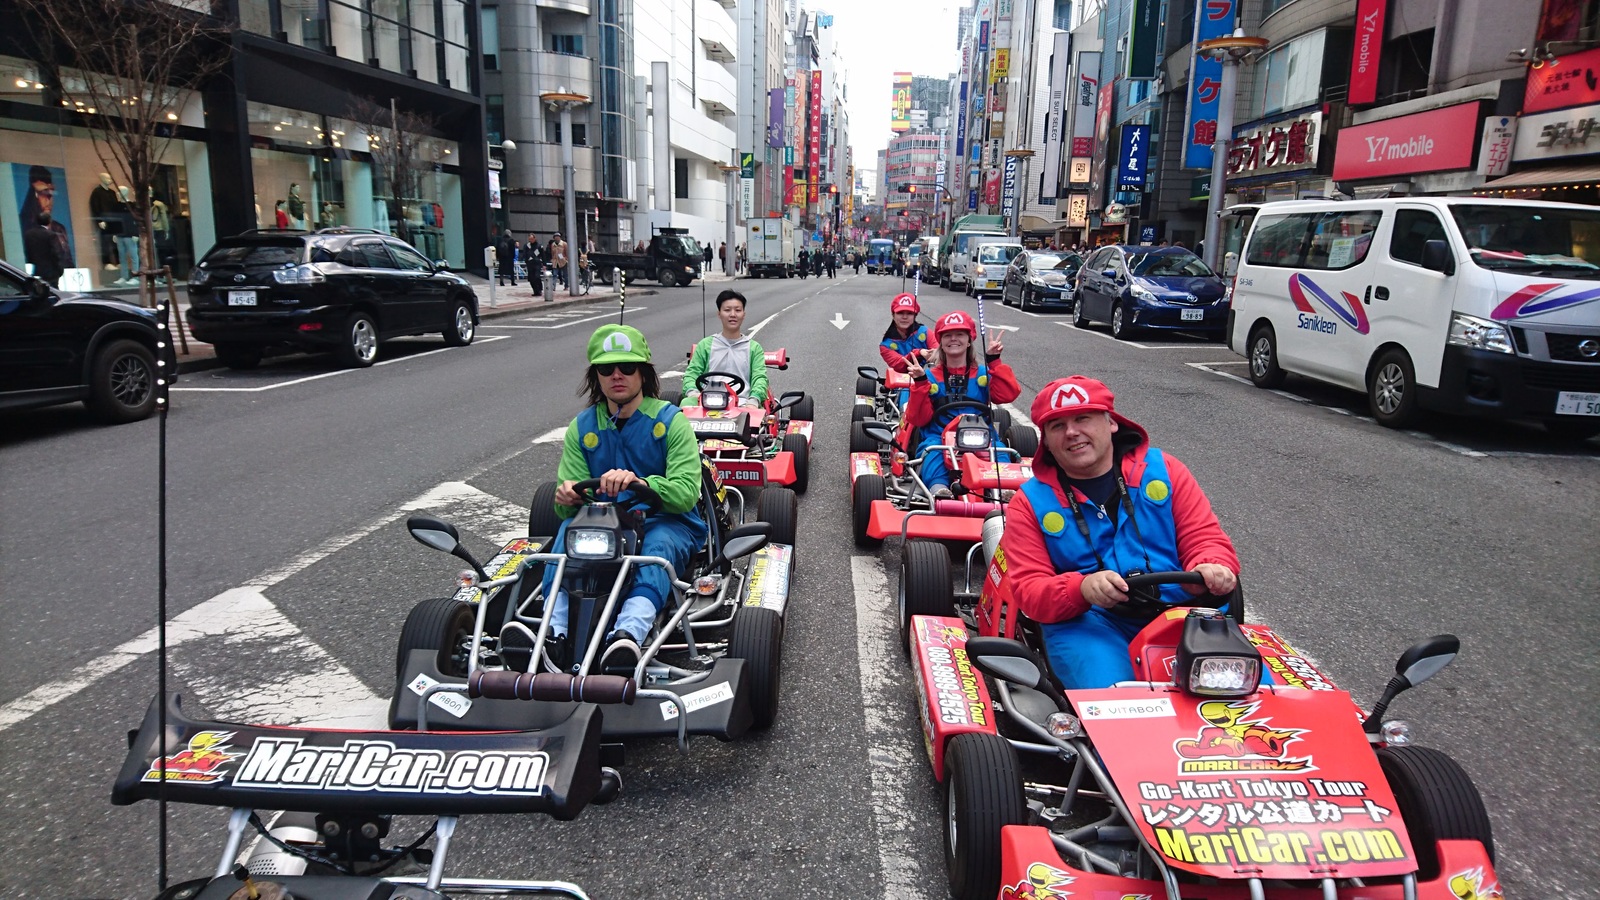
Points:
(1197, 780)
(751, 448)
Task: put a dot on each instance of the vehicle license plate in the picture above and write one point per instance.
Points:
(1574, 403)
(241, 298)
(1192, 315)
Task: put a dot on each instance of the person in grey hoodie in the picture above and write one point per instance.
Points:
(732, 351)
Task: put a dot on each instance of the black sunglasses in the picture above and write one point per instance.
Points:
(604, 370)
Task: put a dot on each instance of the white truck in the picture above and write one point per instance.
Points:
(771, 248)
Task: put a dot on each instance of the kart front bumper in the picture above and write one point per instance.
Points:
(1030, 860)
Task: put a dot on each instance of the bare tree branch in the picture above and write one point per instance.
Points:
(402, 151)
(129, 67)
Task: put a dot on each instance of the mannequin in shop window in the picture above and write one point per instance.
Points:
(297, 207)
(280, 216)
(127, 240)
(103, 212)
(161, 231)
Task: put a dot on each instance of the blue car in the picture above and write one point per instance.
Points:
(1160, 288)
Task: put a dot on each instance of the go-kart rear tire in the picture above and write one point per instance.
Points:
(866, 387)
(674, 396)
(777, 507)
(1024, 440)
(860, 441)
(796, 445)
(758, 640)
(866, 490)
(438, 625)
(983, 793)
(804, 411)
(1002, 421)
(924, 585)
(542, 519)
(1438, 802)
(860, 412)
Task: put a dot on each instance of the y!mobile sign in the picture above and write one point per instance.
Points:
(1435, 141)
(1368, 47)
(1213, 19)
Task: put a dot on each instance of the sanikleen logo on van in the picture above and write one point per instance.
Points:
(1349, 312)
(1536, 299)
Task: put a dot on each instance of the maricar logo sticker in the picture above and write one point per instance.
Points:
(1537, 299)
(202, 762)
(1044, 882)
(1303, 290)
(1231, 741)
(1471, 885)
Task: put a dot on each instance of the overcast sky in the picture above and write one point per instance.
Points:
(878, 38)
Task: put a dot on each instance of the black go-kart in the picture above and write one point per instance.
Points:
(716, 646)
(338, 792)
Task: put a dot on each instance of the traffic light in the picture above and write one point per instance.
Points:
(833, 189)
(911, 189)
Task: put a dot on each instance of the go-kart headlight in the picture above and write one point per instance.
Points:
(1224, 676)
(1064, 726)
(591, 543)
(972, 438)
(1479, 334)
(714, 400)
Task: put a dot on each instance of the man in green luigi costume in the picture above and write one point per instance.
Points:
(628, 435)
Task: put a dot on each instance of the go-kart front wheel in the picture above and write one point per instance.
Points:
(982, 794)
(758, 640)
(1024, 440)
(442, 626)
(796, 445)
(673, 396)
(1438, 802)
(860, 441)
(863, 493)
(542, 519)
(865, 387)
(924, 585)
(804, 411)
(777, 507)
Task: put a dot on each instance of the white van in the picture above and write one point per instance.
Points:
(1464, 305)
(990, 259)
(962, 250)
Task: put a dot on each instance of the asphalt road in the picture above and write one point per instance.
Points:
(290, 566)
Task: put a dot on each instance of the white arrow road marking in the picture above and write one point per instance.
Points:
(839, 321)
(895, 762)
(1004, 327)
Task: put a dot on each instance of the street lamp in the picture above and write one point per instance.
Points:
(561, 99)
(1231, 51)
(1022, 155)
(728, 252)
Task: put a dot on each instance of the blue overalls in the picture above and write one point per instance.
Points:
(904, 346)
(638, 444)
(934, 469)
(1091, 651)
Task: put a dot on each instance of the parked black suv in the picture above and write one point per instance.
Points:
(339, 289)
(59, 347)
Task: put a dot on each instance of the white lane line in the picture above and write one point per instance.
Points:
(284, 384)
(763, 323)
(603, 315)
(239, 610)
(1138, 346)
(894, 761)
(553, 436)
(1017, 415)
(1206, 367)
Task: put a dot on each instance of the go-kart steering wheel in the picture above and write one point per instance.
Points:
(735, 383)
(1146, 603)
(642, 492)
(977, 406)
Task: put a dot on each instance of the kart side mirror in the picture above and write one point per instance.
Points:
(741, 546)
(441, 535)
(1421, 661)
(790, 398)
(878, 431)
(868, 373)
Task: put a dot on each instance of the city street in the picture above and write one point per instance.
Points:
(291, 574)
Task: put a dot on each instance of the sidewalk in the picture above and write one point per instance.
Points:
(509, 301)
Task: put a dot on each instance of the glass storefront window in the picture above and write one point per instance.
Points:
(1290, 76)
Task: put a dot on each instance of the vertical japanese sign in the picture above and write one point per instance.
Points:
(1086, 90)
(1366, 52)
(1055, 128)
(1133, 157)
(775, 118)
(983, 37)
(1000, 66)
(900, 104)
(1142, 40)
(1213, 19)
(1102, 134)
(1494, 152)
(961, 123)
(1008, 190)
(814, 149)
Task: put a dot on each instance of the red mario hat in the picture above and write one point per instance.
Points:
(956, 321)
(1074, 395)
(904, 302)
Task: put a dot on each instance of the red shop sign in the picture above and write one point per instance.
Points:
(1435, 141)
(1364, 55)
(1572, 80)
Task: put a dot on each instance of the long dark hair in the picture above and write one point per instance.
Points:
(650, 384)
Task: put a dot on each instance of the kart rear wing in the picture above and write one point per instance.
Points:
(553, 771)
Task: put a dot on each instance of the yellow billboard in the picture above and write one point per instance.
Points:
(900, 110)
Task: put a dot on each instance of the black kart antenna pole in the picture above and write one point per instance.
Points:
(622, 295)
(163, 380)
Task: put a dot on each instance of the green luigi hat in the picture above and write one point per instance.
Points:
(618, 344)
